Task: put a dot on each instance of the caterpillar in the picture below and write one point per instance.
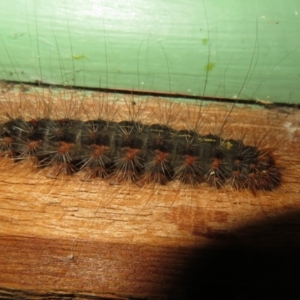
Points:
(132, 150)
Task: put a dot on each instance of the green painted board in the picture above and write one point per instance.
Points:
(212, 48)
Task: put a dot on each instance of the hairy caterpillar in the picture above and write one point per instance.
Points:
(137, 151)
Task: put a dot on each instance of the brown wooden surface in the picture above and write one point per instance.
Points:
(68, 238)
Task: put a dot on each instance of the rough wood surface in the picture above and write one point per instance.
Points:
(72, 239)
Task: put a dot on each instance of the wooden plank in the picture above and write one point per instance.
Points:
(160, 241)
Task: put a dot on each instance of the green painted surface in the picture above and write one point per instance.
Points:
(226, 49)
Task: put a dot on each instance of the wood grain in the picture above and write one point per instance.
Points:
(93, 239)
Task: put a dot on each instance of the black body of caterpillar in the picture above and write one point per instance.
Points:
(138, 152)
